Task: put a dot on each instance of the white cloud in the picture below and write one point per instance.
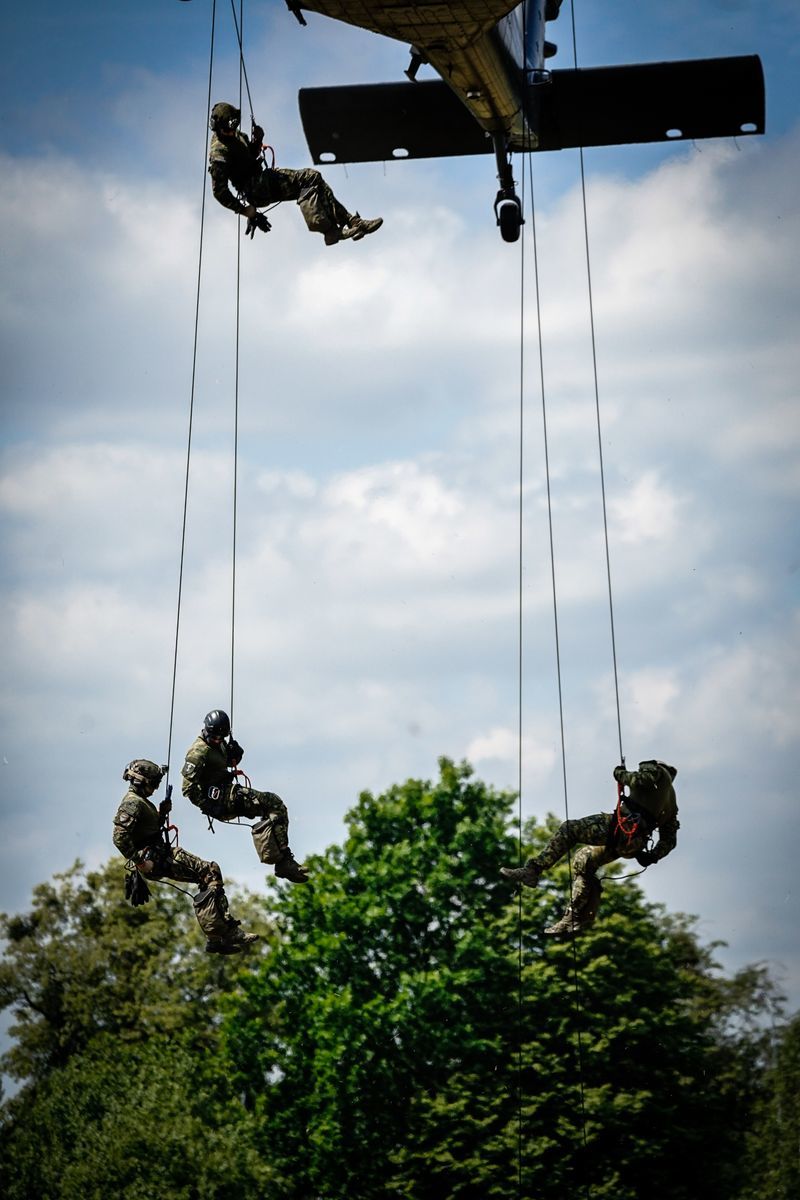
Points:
(649, 512)
(501, 747)
(377, 606)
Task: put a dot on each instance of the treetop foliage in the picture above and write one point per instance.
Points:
(405, 1030)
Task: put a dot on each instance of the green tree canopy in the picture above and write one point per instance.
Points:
(115, 1039)
(404, 1030)
(83, 962)
(772, 1165)
(412, 1033)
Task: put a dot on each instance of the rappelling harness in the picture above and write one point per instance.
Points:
(159, 854)
(259, 221)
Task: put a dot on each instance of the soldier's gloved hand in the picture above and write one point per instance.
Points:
(235, 753)
(646, 858)
(164, 808)
(136, 890)
(257, 136)
(257, 221)
(619, 772)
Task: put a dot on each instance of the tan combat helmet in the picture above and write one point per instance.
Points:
(145, 773)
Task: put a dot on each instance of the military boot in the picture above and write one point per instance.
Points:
(232, 943)
(530, 874)
(569, 924)
(358, 228)
(287, 867)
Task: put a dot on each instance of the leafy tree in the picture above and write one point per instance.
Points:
(83, 962)
(772, 1167)
(386, 975)
(116, 1041)
(406, 1030)
(392, 1046)
(132, 1119)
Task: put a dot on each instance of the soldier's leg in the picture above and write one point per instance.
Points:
(586, 889)
(223, 934)
(321, 210)
(271, 833)
(585, 831)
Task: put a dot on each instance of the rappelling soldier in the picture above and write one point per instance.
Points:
(648, 807)
(236, 162)
(209, 781)
(140, 835)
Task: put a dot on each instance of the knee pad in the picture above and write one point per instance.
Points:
(211, 875)
(581, 858)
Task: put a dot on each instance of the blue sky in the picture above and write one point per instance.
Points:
(379, 447)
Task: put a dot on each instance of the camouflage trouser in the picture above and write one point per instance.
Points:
(239, 801)
(600, 843)
(320, 208)
(210, 903)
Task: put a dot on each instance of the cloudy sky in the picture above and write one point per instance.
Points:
(377, 607)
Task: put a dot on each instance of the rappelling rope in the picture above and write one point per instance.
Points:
(239, 26)
(520, 660)
(597, 406)
(235, 498)
(191, 400)
(557, 642)
(242, 74)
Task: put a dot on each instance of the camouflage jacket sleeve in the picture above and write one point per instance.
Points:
(136, 825)
(221, 190)
(122, 835)
(232, 163)
(192, 772)
(635, 779)
(667, 837)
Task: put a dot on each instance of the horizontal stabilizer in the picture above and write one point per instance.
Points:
(373, 122)
(651, 102)
(597, 106)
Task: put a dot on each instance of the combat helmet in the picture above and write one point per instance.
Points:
(671, 771)
(144, 772)
(216, 724)
(224, 118)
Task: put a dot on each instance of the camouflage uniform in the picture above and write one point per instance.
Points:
(234, 161)
(137, 836)
(209, 783)
(650, 807)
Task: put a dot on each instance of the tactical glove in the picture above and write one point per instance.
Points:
(235, 753)
(164, 808)
(257, 136)
(619, 772)
(136, 890)
(646, 858)
(259, 221)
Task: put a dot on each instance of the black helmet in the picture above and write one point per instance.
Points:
(224, 118)
(216, 724)
(142, 771)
